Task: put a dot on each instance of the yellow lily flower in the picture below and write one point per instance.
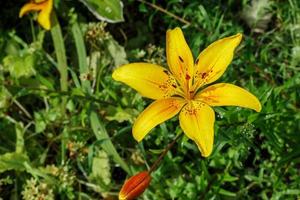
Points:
(44, 6)
(177, 90)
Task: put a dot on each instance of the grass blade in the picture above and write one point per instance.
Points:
(81, 52)
(101, 134)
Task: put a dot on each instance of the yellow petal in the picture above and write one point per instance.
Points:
(30, 7)
(179, 56)
(45, 8)
(39, 1)
(156, 113)
(224, 94)
(213, 61)
(197, 122)
(45, 15)
(149, 80)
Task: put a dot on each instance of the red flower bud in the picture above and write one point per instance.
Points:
(135, 186)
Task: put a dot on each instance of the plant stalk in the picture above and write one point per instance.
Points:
(162, 155)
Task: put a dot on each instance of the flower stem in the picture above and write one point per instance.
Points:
(162, 155)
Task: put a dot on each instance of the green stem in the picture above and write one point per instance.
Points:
(32, 30)
(19, 105)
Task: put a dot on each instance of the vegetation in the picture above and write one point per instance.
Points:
(65, 124)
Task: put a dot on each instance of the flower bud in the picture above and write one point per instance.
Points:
(135, 186)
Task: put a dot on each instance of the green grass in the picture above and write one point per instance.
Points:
(71, 138)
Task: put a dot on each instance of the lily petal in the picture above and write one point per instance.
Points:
(179, 56)
(213, 61)
(225, 94)
(149, 80)
(45, 9)
(156, 113)
(45, 15)
(30, 7)
(197, 121)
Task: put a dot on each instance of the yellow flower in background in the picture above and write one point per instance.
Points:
(177, 90)
(44, 7)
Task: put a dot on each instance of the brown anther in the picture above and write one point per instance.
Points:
(174, 86)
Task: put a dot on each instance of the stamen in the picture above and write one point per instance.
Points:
(197, 60)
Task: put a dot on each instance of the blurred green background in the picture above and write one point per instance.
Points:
(76, 142)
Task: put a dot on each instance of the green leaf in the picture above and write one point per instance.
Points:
(107, 10)
(4, 97)
(228, 178)
(60, 51)
(44, 117)
(81, 52)
(20, 137)
(295, 55)
(101, 170)
(45, 82)
(20, 65)
(40, 122)
(290, 157)
(101, 134)
(226, 193)
(122, 115)
(117, 52)
(156, 151)
(12, 161)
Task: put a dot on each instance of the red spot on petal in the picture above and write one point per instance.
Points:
(187, 77)
(166, 72)
(180, 59)
(204, 75)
